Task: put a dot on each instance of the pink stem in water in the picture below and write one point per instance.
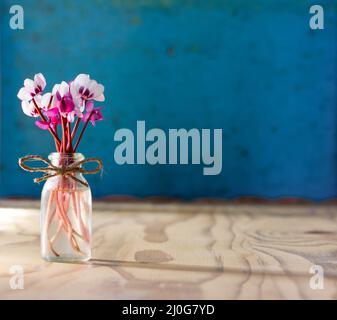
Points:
(77, 206)
(50, 216)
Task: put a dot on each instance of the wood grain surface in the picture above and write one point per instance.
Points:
(179, 251)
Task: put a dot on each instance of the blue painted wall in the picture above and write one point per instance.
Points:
(253, 68)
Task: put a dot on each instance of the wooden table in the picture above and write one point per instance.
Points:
(179, 251)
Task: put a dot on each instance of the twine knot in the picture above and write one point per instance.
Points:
(52, 171)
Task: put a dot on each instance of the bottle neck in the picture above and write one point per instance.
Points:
(65, 159)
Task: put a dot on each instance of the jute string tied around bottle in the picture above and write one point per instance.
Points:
(52, 171)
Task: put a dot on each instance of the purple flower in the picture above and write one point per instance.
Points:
(44, 125)
(94, 114)
(53, 120)
(65, 103)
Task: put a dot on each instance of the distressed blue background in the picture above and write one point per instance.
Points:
(253, 68)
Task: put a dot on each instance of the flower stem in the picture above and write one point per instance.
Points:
(57, 145)
(69, 144)
(82, 131)
(75, 128)
(56, 138)
(63, 149)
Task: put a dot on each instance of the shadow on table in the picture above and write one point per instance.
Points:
(154, 265)
(177, 267)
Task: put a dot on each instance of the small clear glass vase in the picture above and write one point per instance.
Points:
(66, 209)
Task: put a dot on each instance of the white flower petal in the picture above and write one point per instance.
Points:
(45, 101)
(40, 80)
(100, 98)
(64, 88)
(79, 112)
(71, 116)
(82, 80)
(73, 88)
(74, 91)
(28, 108)
(24, 94)
(78, 101)
(38, 100)
(98, 90)
(29, 84)
(55, 88)
(92, 86)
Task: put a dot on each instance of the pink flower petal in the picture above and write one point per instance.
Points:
(89, 106)
(44, 125)
(53, 112)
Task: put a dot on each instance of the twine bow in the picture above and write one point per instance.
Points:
(52, 171)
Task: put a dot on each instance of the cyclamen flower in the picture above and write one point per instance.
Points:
(53, 119)
(61, 106)
(65, 103)
(42, 102)
(86, 89)
(95, 114)
(32, 88)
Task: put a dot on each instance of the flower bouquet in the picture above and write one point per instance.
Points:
(66, 204)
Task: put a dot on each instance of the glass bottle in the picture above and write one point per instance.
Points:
(65, 218)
